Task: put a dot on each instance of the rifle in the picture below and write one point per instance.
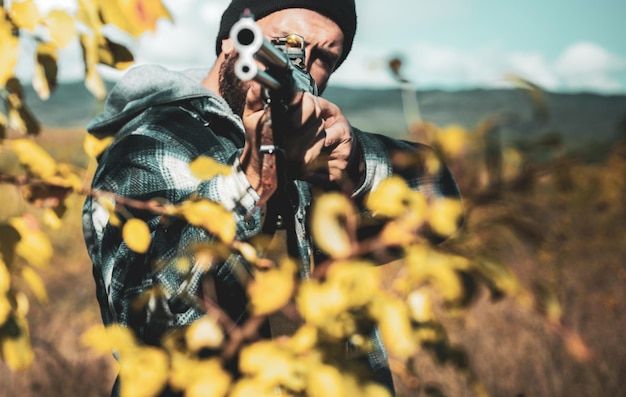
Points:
(282, 78)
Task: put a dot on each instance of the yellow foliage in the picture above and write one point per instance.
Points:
(395, 329)
(452, 140)
(133, 16)
(214, 382)
(34, 246)
(210, 216)
(38, 162)
(304, 339)
(204, 333)
(107, 339)
(325, 381)
(190, 374)
(136, 235)
(93, 80)
(267, 363)
(428, 266)
(357, 279)
(445, 215)
(52, 219)
(22, 306)
(44, 79)
(5, 278)
(272, 289)
(333, 220)
(15, 349)
(109, 205)
(9, 48)
(35, 283)
(60, 26)
(143, 372)
(252, 387)
(25, 14)
(206, 168)
(5, 309)
(389, 199)
(420, 306)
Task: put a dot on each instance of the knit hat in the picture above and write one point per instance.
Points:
(342, 12)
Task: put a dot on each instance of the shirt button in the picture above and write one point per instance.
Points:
(250, 224)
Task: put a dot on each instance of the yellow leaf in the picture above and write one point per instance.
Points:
(20, 118)
(136, 234)
(38, 162)
(51, 218)
(428, 266)
(272, 289)
(389, 199)
(34, 246)
(45, 77)
(15, 346)
(445, 216)
(5, 309)
(206, 168)
(452, 140)
(104, 340)
(325, 381)
(357, 279)
(252, 387)
(420, 306)
(114, 54)
(95, 146)
(5, 278)
(22, 305)
(204, 333)
(93, 80)
(143, 372)
(35, 283)
(109, 205)
(267, 362)
(9, 48)
(214, 382)
(210, 216)
(395, 328)
(134, 16)
(25, 14)
(304, 339)
(61, 27)
(333, 224)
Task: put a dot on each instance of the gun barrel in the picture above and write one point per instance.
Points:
(250, 43)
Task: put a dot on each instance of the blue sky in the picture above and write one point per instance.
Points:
(451, 44)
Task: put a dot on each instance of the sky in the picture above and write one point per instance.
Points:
(561, 45)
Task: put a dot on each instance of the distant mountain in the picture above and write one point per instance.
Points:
(580, 118)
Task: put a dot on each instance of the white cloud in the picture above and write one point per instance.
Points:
(582, 66)
(585, 65)
(189, 40)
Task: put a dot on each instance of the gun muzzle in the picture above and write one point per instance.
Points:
(251, 45)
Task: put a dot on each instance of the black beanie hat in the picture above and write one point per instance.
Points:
(342, 12)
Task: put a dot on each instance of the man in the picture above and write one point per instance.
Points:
(163, 120)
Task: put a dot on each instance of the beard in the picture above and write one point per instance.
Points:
(232, 89)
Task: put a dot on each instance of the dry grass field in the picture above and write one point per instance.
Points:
(574, 240)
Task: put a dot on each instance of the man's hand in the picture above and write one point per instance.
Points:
(316, 138)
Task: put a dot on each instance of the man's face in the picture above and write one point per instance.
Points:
(323, 46)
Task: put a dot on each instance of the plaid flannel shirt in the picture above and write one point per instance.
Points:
(159, 128)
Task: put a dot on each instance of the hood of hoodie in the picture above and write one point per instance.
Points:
(150, 85)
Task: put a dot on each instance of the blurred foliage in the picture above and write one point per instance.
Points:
(38, 179)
